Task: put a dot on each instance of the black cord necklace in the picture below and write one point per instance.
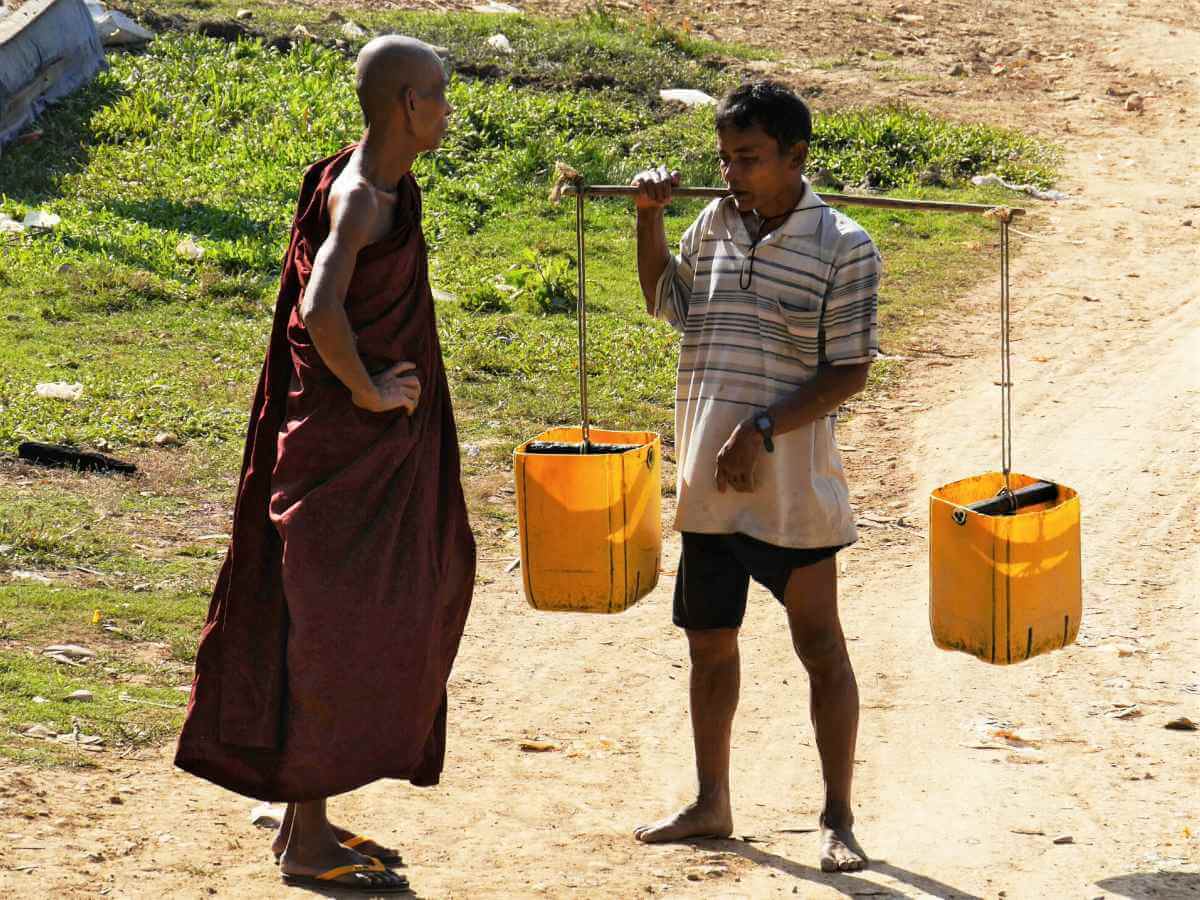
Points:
(747, 271)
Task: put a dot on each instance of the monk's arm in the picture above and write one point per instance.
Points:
(323, 311)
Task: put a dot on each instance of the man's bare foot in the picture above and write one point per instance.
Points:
(706, 818)
(840, 852)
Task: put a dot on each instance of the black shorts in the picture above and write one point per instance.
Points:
(715, 571)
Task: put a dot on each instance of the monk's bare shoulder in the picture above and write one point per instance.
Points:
(357, 217)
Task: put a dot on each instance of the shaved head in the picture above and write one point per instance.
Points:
(389, 65)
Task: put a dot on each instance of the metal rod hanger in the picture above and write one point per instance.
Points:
(619, 190)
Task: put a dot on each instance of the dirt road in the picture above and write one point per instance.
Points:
(1107, 338)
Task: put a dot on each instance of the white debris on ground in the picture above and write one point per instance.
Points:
(687, 96)
(500, 42)
(115, 28)
(1030, 189)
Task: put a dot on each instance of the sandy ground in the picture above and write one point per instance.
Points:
(1105, 363)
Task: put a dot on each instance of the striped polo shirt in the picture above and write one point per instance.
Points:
(811, 299)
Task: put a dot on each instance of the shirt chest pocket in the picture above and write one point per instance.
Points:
(799, 311)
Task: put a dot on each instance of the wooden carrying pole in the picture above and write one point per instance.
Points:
(618, 190)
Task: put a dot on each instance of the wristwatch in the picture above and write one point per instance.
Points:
(766, 426)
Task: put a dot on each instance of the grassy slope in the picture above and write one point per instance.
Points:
(206, 139)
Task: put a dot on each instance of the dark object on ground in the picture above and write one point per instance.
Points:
(48, 49)
(1038, 492)
(68, 457)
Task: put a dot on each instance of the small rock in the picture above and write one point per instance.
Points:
(501, 43)
(301, 32)
(1183, 723)
(38, 219)
(1064, 839)
(245, 14)
(59, 390)
(353, 31)
(1187, 223)
(116, 801)
(80, 696)
(958, 69)
(188, 248)
(9, 225)
(102, 445)
(1134, 103)
(166, 439)
(40, 731)
(40, 700)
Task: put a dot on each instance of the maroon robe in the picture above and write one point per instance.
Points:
(339, 609)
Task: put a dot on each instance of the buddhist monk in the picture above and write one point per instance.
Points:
(341, 603)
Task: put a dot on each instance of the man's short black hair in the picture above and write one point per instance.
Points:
(771, 106)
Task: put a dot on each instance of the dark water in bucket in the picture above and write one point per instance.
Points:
(564, 448)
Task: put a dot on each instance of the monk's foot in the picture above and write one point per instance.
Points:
(329, 862)
(281, 836)
(840, 852)
(367, 846)
(708, 817)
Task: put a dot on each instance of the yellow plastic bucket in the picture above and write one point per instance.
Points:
(591, 532)
(1003, 588)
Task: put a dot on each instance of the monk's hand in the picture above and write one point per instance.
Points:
(654, 187)
(392, 389)
(737, 461)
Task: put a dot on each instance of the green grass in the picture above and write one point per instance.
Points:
(595, 49)
(203, 138)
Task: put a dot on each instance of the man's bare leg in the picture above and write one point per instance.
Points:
(714, 684)
(811, 601)
(370, 848)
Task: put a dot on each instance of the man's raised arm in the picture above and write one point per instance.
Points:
(653, 255)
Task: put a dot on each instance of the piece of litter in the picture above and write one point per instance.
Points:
(538, 746)
(116, 29)
(37, 219)
(501, 43)
(512, 566)
(9, 225)
(59, 390)
(687, 96)
(1030, 189)
(40, 700)
(353, 31)
(244, 14)
(72, 651)
(301, 32)
(1183, 723)
(1036, 831)
(496, 9)
(266, 816)
(188, 248)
